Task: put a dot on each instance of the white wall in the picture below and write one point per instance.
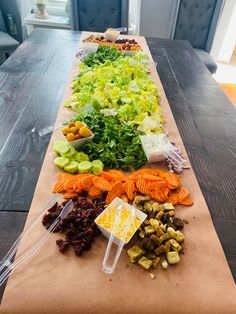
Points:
(224, 41)
(158, 17)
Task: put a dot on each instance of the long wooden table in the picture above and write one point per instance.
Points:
(32, 82)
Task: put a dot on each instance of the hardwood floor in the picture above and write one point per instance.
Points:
(230, 91)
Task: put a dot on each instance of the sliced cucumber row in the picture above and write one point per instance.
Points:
(75, 162)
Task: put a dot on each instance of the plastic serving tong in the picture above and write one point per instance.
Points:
(109, 269)
(7, 265)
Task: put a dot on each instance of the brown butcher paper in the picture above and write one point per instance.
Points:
(51, 282)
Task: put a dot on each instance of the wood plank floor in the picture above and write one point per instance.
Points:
(230, 91)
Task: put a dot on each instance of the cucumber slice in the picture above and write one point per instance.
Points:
(72, 167)
(97, 167)
(70, 153)
(80, 156)
(85, 166)
(61, 162)
(61, 147)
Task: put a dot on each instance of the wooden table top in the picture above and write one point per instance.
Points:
(32, 82)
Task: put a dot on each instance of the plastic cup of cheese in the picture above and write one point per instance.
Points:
(112, 34)
(106, 220)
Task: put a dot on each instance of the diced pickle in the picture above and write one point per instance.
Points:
(159, 231)
(155, 239)
(171, 232)
(151, 255)
(155, 207)
(135, 252)
(147, 207)
(155, 262)
(160, 207)
(160, 250)
(179, 236)
(173, 257)
(142, 234)
(165, 237)
(163, 227)
(149, 230)
(167, 246)
(140, 199)
(168, 206)
(160, 215)
(145, 263)
(133, 260)
(170, 224)
(154, 222)
(175, 245)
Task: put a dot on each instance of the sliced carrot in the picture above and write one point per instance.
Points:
(173, 198)
(65, 175)
(143, 171)
(129, 187)
(79, 187)
(151, 177)
(70, 191)
(116, 191)
(94, 191)
(158, 195)
(186, 202)
(155, 172)
(102, 184)
(142, 186)
(59, 186)
(118, 174)
(87, 182)
(69, 195)
(70, 182)
(156, 185)
(173, 180)
(183, 194)
(75, 185)
(107, 176)
(134, 177)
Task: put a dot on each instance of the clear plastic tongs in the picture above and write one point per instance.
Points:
(172, 153)
(7, 265)
(109, 269)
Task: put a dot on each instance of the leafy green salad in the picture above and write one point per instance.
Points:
(116, 144)
(123, 86)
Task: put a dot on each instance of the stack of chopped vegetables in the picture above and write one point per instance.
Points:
(159, 185)
(116, 144)
(123, 87)
(115, 99)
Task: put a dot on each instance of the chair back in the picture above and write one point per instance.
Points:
(98, 15)
(197, 21)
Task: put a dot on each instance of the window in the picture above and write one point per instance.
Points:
(56, 7)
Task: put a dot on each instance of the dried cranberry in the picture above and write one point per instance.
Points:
(79, 226)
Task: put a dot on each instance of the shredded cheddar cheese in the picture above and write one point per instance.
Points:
(107, 220)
